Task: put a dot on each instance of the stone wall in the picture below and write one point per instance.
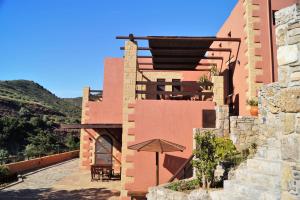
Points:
(244, 131)
(284, 103)
(162, 193)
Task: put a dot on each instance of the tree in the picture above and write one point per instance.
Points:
(71, 142)
(43, 143)
(13, 134)
(210, 151)
(3, 154)
(24, 112)
(31, 151)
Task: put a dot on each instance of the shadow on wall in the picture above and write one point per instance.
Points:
(173, 163)
(235, 108)
(43, 193)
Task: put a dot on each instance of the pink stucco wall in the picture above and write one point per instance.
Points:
(235, 23)
(109, 110)
(164, 119)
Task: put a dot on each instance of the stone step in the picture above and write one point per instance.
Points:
(269, 167)
(268, 153)
(273, 142)
(227, 195)
(249, 190)
(258, 179)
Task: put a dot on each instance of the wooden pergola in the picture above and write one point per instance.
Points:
(182, 53)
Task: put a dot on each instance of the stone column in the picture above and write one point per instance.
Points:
(218, 90)
(288, 99)
(222, 120)
(84, 138)
(129, 96)
(253, 43)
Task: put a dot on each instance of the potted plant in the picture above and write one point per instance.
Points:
(253, 104)
(214, 70)
(205, 82)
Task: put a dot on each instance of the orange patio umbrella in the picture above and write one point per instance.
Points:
(157, 146)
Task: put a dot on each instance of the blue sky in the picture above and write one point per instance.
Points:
(61, 44)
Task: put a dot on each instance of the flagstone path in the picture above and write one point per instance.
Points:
(61, 181)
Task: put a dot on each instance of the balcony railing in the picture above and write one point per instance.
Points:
(95, 95)
(185, 90)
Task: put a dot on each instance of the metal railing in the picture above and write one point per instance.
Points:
(95, 95)
(185, 90)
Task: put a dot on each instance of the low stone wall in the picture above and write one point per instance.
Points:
(162, 193)
(244, 131)
(28, 165)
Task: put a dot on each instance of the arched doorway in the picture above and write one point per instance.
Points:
(103, 150)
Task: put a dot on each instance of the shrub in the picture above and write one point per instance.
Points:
(210, 151)
(4, 171)
(203, 79)
(72, 142)
(3, 154)
(184, 185)
(252, 102)
(214, 70)
(31, 151)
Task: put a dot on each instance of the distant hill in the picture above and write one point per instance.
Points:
(19, 96)
(76, 101)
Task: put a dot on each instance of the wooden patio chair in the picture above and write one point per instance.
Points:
(96, 173)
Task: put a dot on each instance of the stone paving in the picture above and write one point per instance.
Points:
(61, 181)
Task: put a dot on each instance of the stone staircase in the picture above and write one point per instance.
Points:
(258, 178)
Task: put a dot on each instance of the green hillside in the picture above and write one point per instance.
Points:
(19, 96)
(75, 101)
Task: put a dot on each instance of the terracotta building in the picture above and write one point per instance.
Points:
(162, 96)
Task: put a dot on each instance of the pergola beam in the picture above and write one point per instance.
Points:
(159, 70)
(89, 126)
(185, 56)
(131, 37)
(181, 48)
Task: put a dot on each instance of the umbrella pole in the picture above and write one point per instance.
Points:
(157, 168)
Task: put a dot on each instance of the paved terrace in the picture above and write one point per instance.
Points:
(61, 181)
